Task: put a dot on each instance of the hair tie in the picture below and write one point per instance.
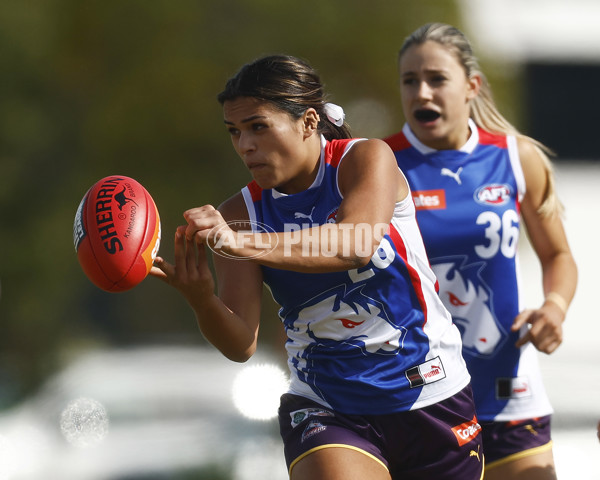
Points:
(335, 114)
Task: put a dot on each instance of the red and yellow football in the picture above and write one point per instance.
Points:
(116, 233)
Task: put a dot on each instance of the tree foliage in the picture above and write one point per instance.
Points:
(93, 88)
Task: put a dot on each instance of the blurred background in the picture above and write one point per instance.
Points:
(96, 88)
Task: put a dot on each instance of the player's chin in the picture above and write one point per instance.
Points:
(432, 127)
(264, 182)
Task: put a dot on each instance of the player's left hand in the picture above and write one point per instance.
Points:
(207, 226)
(545, 330)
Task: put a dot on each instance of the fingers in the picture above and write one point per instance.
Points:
(180, 248)
(201, 255)
(190, 254)
(550, 347)
(545, 332)
(185, 260)
(520, 320)
(161, 269)
(547, 335)
(200, 221)
(523, 340)
(190, 272)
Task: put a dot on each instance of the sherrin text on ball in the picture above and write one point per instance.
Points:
(116, 233)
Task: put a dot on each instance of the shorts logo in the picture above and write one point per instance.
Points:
(465, 432)
(493, 194)
(531, 430)
(298, 416)
(427, 372)
(429, 199)
(312, 429)
(474, 453)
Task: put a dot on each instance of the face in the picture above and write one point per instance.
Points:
(280, 151)
(435, 95)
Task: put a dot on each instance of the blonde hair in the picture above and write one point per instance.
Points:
(483, 108)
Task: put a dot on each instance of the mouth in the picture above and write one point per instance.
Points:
(254, 165)
(424, 115)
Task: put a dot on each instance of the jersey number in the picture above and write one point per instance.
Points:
(382, 258)
(501, 233)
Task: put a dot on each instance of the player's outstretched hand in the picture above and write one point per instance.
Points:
(190, 274)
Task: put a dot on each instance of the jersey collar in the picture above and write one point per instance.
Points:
(468, 147)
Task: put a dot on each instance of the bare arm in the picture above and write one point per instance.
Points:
(230, 319)
(371, 184)
(559, 272)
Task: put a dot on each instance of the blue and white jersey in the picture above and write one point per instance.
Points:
(374, 340)
(468, 210)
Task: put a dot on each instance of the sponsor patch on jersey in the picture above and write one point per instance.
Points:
(465, 432)
(298, 416)
(517, 387)
(312, 429)
(494, 194)
(428, 372)
(429, 199)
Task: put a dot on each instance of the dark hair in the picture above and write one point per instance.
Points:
(289, 84)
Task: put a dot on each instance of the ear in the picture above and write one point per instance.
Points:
(473, 86)
(310, 121)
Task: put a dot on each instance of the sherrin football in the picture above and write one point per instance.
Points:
(116, 233)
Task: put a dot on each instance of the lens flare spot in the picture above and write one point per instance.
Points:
(84, 422)
(256, 391)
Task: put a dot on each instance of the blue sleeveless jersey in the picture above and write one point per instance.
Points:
(365, 341)
(467, 204)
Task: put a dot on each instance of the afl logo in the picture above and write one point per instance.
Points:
(243, 231)
(494, 194)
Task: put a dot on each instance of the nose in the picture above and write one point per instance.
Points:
(424, 91)
(245, 143)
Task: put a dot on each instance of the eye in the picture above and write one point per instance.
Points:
(409, 81)
(438, 79)
(233, 131)
(258, 126)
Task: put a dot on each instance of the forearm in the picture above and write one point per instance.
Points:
(325, 248)
(560, 279)
(226, 330)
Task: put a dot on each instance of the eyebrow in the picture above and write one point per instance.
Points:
(429, 70)
(246, 120)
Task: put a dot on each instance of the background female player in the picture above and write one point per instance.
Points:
(473, 177)
(378, 386)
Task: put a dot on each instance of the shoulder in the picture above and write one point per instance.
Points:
(371, 148)
(531, 160)
(536, 171)
(371, 162)
(369, 154)
(234, 208)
